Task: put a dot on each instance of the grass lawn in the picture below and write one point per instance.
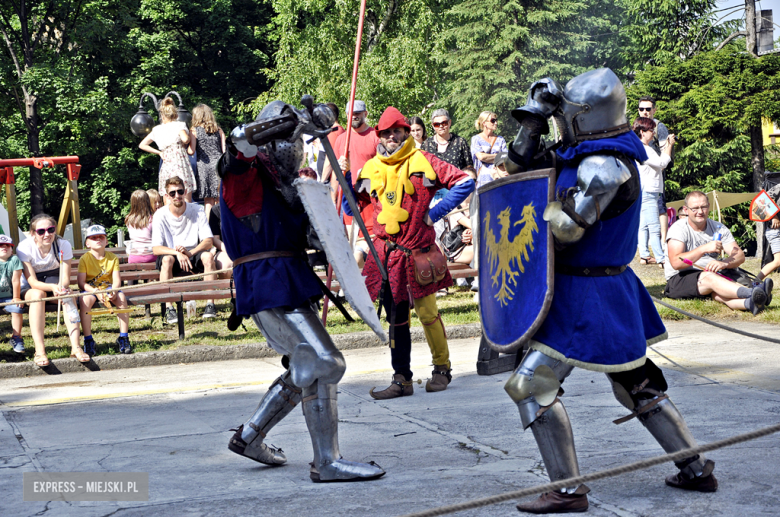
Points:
(457, 308)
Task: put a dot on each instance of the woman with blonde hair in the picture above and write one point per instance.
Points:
(485, 146)
(171, 137)
(208, 140)
(139, 226)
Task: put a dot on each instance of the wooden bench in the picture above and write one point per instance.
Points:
(180, 293)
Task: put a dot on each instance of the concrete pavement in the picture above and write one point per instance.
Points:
(172, 421)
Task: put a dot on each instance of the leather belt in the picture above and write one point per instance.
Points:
(262, 255)
(589, 270)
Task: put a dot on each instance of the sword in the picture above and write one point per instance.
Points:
(346, 188)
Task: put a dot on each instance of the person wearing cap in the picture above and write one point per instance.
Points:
(11, 290)
(400, 183)
(362, 147)
(99, 270)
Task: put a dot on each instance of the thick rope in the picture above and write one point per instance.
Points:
(123, 288)
(575, 481)
(714, 324)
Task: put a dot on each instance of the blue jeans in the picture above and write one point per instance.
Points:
(650, 226)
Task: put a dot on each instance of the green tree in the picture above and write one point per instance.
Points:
(493, 51)
(86, 74)
(711, 101)
(316, 49)
(662, 31)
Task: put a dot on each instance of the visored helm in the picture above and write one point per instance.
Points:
(593, 107)
(286, 156)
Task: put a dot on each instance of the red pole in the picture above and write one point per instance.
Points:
(352, 89)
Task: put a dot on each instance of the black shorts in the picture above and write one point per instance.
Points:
(195, 260)
(684, 285)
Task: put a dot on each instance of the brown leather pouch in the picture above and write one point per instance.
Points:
(429, 265)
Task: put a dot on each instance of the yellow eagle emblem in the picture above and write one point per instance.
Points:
(501, 253)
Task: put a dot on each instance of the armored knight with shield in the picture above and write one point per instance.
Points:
(569, 220)
(266, 230)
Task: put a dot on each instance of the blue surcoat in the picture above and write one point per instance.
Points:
(601, 323)
(273, 282)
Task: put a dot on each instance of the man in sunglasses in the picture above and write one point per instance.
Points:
(695, 267)
(647, 109)
(182, 241)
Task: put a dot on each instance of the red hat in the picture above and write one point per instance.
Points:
(391, 118)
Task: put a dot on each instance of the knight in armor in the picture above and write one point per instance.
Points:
(266, 231)
(601, 317)
(400, 182)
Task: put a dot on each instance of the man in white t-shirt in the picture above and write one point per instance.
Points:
(700, 241)
(182, 241)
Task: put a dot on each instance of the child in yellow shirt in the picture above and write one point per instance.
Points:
(99, 269)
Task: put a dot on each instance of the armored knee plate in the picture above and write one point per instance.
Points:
(535, 384)
(309, 364)
(299, 333)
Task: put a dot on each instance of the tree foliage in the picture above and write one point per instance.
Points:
(317, 43)
(492, 50)
(87, 65)
(710, 101)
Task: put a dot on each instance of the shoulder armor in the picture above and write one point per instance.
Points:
(601, 173)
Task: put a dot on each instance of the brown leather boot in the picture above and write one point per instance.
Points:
(440, 378)
(557, 502)
(700, 484)
(399, 387)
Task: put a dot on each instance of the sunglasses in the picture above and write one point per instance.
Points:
(646, 109)
(441, 124)
(493, 120)
(42, 231)
(173, 193)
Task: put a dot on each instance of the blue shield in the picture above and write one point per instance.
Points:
(515, 257)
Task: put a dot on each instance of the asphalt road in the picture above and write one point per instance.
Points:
(173, 423)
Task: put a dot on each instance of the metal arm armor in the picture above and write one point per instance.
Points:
(599, 178)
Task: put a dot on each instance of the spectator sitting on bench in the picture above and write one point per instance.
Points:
(694, 239)
(11, 289)
(98, 270)
(182, 241)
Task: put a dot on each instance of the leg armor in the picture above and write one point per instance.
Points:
(300, 335)
(321, 412)
(642, 390)
(277, 403)
(316, 366)
(535, 387)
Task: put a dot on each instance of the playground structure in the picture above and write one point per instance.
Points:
(69, 204)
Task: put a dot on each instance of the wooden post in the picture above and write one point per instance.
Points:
(10, 201)
(71, 204)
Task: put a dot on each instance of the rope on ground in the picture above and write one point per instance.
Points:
(124, 288)
(714, 324)
(575, 481)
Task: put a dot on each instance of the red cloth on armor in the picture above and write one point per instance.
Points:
(243, 194)
(414, 234)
